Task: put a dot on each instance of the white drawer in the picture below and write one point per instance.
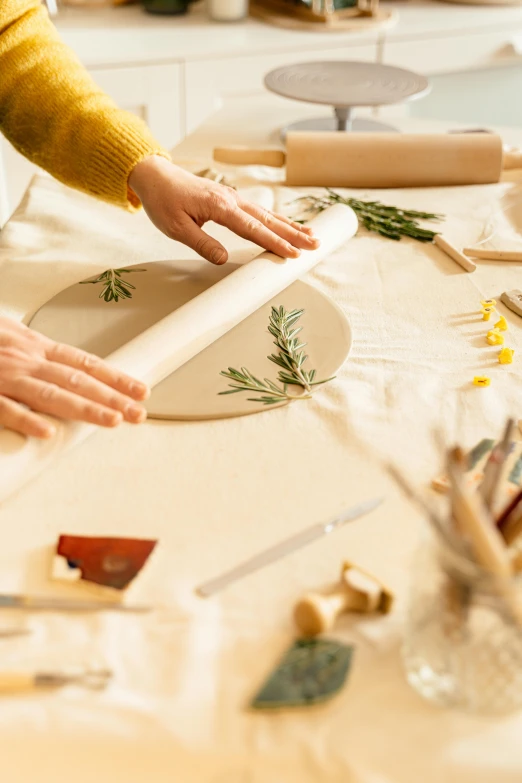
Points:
(453, 52)
(207, 82)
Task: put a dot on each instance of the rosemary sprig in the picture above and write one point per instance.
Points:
(290, 358)
(114, 286)
(390, 222)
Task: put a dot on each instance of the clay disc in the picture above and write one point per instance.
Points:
(79, 317)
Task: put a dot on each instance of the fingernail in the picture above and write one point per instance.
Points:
(111, 418)
(139, 390)
(135, 413)
(218, 256)
(293, 252)
(46, 431)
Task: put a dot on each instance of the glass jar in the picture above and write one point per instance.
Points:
(227, 10)
(463, 637)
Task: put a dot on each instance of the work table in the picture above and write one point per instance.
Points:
(215, 493)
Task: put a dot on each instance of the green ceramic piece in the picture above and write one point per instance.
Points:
(311, 671)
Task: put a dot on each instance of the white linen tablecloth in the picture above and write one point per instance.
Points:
(216, 492)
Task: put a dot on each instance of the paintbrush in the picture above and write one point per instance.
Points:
(513, 526)
(432, 516)
(473, 521)
(493, 469)
(502, 521)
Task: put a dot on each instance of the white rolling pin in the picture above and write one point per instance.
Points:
(382, 160)
(168, 344)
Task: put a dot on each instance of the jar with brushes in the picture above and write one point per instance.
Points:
(463, 638)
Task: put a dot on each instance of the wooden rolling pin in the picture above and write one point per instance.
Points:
(382, 160)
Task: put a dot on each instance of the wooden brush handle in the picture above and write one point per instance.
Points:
(247, 156)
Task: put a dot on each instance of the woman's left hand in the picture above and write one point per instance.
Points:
(179, 203)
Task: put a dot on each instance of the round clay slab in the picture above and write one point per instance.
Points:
(79, 317)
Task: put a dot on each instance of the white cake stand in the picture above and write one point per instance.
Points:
(344, 86)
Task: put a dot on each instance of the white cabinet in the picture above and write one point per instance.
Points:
(476, 77)
(208, 82)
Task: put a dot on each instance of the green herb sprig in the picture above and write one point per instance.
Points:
(114, 286)
(390, 222)
(290, 357)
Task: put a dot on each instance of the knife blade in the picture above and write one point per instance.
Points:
(286, 547)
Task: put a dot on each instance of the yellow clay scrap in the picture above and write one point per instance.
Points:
(494, 337)
(505, 355)
(501, 324)
(488, 303)
(486, 313)
(481, 380)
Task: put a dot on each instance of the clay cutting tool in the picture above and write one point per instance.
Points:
(286, 547)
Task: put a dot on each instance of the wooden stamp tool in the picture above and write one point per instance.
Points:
(356, 591)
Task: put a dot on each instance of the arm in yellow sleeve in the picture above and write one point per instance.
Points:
(55, 115)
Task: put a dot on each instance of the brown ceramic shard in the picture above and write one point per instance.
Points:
(111, 562)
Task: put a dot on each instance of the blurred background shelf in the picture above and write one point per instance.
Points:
(175, 72)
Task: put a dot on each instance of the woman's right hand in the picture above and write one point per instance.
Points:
(53, 378)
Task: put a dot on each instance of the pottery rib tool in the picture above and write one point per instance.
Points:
(285, 547)
(173, 340)
(31, 604)
(382, 160)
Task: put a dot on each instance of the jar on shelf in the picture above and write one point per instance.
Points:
(463, 638)
(227, 10)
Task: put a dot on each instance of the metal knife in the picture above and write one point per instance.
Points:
(286, 547)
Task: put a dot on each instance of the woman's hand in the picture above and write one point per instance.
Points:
(179, 203)
(52, 378)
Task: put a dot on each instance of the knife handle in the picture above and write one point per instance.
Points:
(247, 156)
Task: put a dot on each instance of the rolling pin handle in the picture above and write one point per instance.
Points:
(247, 156)
(512, 158)
(344, 117)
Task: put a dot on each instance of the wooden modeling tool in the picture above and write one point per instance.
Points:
(12, 683)
(382, 160)
(110, 562)
(32, 604)
(443, 244)
(493, 255)
(285, 548)
(357, 591)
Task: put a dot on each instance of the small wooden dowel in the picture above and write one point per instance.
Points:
(493, 255)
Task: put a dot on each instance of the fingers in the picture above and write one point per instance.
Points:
(287, 230)
(85, 386)
(299, 226)
(48, 398)
(208, 247)
(15, 417)
(98, 369)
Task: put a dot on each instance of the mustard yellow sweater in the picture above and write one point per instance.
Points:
(55, 115)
